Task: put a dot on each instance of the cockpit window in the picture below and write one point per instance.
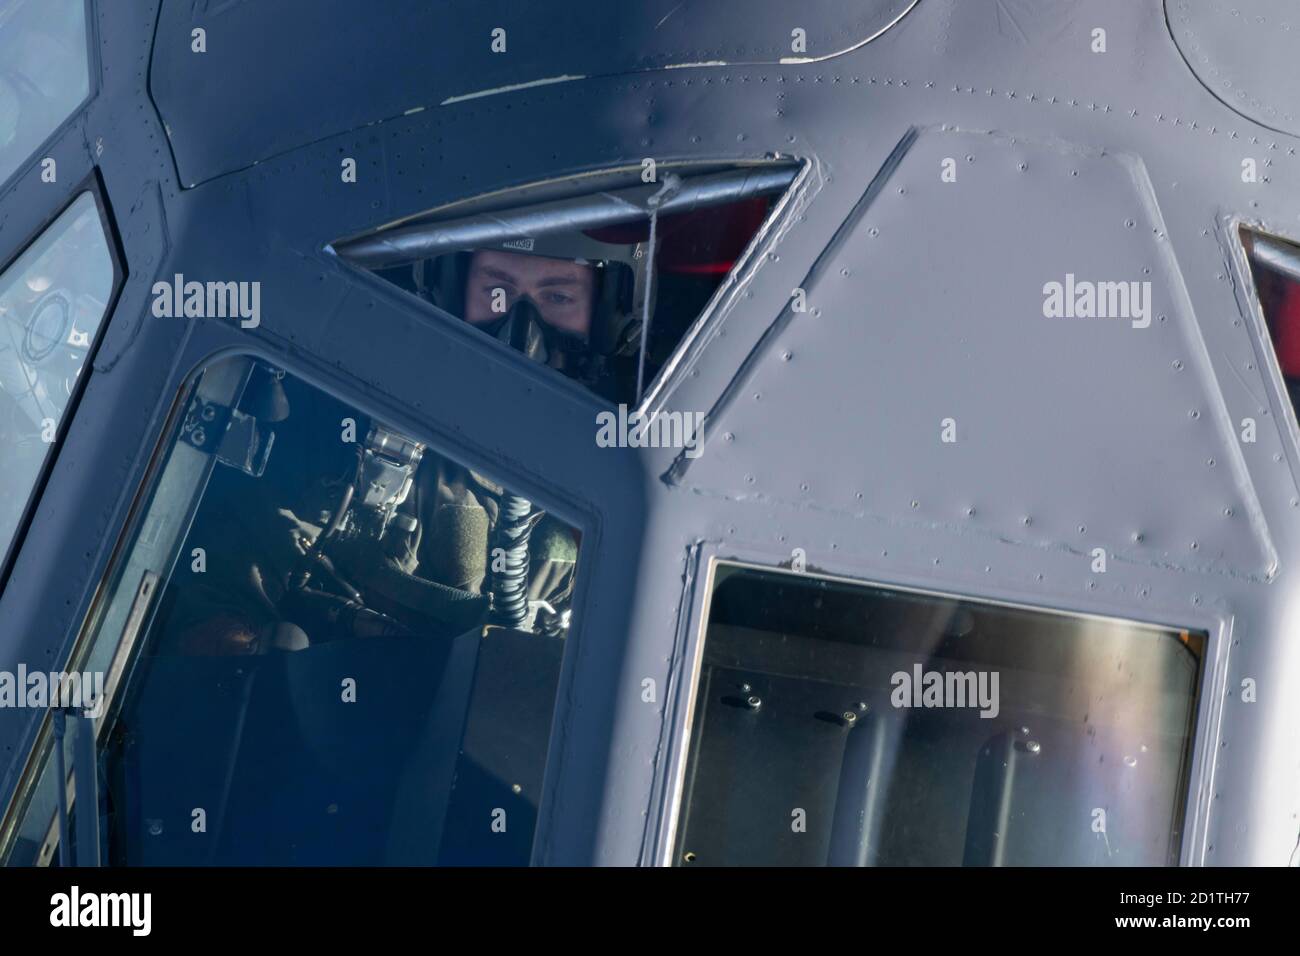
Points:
(328, 643)
(44, 73)
(602, 287)
(854, 725)
(52, 301)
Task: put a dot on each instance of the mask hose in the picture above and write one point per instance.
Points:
(510, 583)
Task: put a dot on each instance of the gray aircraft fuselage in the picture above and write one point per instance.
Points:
(959, 158)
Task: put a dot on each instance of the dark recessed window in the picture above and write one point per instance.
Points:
(855, 725)
(326, 642)
(577, 283)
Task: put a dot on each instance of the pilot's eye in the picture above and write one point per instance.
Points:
(560, 298)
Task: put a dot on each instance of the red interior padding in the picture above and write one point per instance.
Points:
(1286, 330)
(700, 242)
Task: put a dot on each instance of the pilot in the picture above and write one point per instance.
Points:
(570, 301)
(426, 555)
(449, 527)
(561, 291)
(420, 550)
(544, 306)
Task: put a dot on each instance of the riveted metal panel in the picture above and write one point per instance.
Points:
(1245, 54)
(922, 348)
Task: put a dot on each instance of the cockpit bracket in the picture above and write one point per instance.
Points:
(234, 438)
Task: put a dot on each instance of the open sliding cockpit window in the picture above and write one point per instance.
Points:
(601, 277)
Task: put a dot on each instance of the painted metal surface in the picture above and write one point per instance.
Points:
(823, 428)
(232, 107)
(1241, 53)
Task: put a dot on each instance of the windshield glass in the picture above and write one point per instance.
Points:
(52, 301)
(44, 73)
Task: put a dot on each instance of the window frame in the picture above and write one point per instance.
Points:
(701, 331)
(664, 818)
(92, 184)
(124, 652)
